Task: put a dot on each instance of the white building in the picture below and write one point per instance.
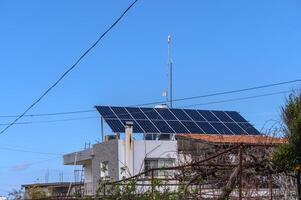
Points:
(116, 158)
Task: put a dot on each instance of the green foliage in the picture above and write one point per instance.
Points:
(157, 189)
(287, 157)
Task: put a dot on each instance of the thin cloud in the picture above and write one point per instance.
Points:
(21, 167)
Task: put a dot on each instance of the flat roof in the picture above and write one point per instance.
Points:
(54, 184)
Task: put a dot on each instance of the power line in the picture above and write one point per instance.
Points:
(225, 92)
(151, 103)
(35, 163)
(70, 68)
(29, 151)
(236, 99)
(50, 114)
(185, 106)
(50, 121)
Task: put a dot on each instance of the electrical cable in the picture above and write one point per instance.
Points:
(70, 68)
(157, 102)
(235, 99)
(225, 92)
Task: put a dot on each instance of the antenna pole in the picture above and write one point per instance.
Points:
(170, 70)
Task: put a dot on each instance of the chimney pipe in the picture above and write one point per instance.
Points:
(129, 147)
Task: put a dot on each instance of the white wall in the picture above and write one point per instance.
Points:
(147, 149)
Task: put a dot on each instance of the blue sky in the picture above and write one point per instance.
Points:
(217, 46)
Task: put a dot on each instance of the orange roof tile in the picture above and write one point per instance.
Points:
(234, 139)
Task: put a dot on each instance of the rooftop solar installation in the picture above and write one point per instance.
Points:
(170, 120)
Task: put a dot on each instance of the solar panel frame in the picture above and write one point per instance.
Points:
(208, 115)
(151, 113)
(136, 113)
(221, 128)
(177, 126)
(147, 126)
(106, 112)
(192, 127)
(207, 128)
(166, 114)
(116, 125)
(180, 114)
(165, 120)
(235, 116)
(235, 128)
(163, 126)
(122, 113)
(222, 116)
(249, 129)
(195, 115)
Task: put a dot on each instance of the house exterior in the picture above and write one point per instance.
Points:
(168, 136)
(116, 158)
(57, 189)
(108, 159)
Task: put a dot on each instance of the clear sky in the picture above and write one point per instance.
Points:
(217, 46)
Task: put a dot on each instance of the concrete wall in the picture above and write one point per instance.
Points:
(147, 149)
(79, 157)
(113, 152)
(105, 152)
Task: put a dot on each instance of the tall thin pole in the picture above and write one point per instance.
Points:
(240, 173)
(101, 129)
(170, 71)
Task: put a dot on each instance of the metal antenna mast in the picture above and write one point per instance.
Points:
(170, 70)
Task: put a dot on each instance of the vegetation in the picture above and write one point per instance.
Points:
(287, 157)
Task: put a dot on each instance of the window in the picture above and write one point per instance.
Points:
(158, 163)
(104, 169)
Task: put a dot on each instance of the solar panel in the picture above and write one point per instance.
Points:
(121, 113)
(151, 113)
(207, 128)
(136, 113)
(222, 116)
(208, 115)
(106, 112)
(166, 114)
(236, 116)
(163, 127)
(195, 115)
(166, 120)
(180, 114)
(178, 127)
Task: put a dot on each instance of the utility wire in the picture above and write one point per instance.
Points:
(152, 103)
(70, 68)
(35, 163)
(235, 99)
(29, 151)
(50, 121)
(225, 92)
(185, 106)
(50, 114)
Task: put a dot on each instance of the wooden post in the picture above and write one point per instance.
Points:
(240, 173)
(104, 189)
(152, 182)
(271, 186)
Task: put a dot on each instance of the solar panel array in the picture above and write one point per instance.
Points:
(166, 120)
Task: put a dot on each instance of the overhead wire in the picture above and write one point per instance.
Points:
(70, 68)
(225, 92)
(29, 151)
(235, 99)
(183, 106)
(181, 99)
(50, 121)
